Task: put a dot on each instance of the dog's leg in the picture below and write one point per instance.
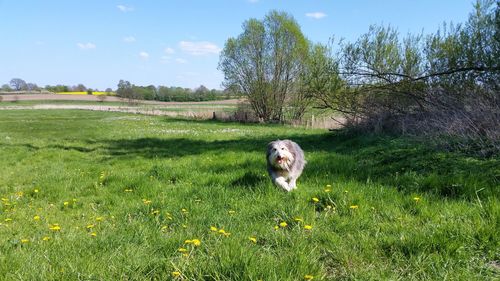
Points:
(281, 181)
(293, 184)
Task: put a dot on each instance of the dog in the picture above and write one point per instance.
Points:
(285, 162)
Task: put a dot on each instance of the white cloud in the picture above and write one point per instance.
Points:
(169, 51)
(143, 55)
(86, 46)
(316, 15)
(124, 8)
(199, 48)
(181, 61)
(129, 39)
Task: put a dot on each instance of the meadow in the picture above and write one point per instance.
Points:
(113, 196)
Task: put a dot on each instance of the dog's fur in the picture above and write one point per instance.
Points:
(285, 162)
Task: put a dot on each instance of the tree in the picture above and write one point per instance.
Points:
(265, 63)
(6, 88)
(80, 88)
(18, 84)
(32, 87)
(125, 90)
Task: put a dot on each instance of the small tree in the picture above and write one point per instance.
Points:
(6, 88)
(18, 84)
(265, 63)
(89, 91)
(101, 98)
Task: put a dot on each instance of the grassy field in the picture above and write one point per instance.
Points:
(110, 196)
(95, 93)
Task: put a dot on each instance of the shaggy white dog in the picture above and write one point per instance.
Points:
(285, 162)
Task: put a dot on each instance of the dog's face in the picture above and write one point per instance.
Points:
(280, 154)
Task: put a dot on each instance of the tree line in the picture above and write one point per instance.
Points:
(163, 93)
(130, 91)
(446, 82)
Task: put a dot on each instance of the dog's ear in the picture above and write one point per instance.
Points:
(291, 147)
(269, 148)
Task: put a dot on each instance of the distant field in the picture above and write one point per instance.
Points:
(91, 195)
(97, 93)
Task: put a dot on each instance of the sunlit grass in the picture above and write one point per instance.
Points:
(107, 196)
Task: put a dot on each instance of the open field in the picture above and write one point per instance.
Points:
(62, 97)
(89, 195)
(95, 93)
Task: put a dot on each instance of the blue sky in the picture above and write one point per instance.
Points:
(175, 42)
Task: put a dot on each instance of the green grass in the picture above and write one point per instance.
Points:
(107, 165)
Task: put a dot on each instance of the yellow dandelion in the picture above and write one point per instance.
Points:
(222, 231)
(90, 226)
(184, 225)
(276, 227)
(93, 234)
(327, 190)
(7, 219)
(328, 186)
(231, 212)
(184, 210)
(417, 199)
(24, 241)
(252, 239)
(195, 242)
(298, 219)
(315, 200)
(5, 199)
(128, 190)
(213, 228)
(46, 238)
(164, 228)
(308, 227)
(353, 207)
(146, 201)
(19, 194)
(99, 219)
(37, 217)
(176, 274)
(182, 250)
(283, 224)
(66, 203)
(155, 212)
(36, 190)
(55, 227)
(308, 277)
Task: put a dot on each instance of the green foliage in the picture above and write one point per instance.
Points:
(446, 83)
(421, 214)
(265, 63)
